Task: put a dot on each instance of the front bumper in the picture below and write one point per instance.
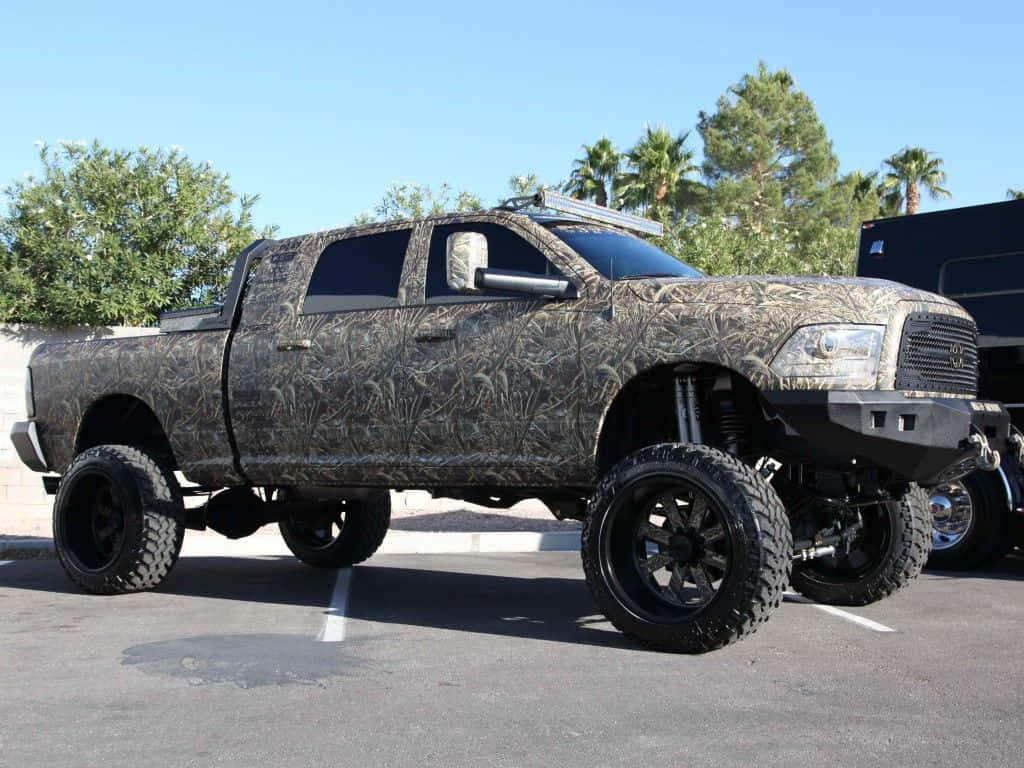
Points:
(26, 442)
(923, 439)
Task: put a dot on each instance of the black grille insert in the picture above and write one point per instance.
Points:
(938, 353)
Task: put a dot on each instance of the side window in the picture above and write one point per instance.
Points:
(505, 250)
(358, 273)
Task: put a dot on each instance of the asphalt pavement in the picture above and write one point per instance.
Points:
(491, 660)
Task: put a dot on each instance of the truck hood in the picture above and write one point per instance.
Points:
(851, 299)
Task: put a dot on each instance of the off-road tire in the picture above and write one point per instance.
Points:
(993, 530)
(760, 535)
(153, 519)
(365, 526)
(908, 544)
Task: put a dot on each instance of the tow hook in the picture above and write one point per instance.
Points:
(988, 459)
(1016, 441)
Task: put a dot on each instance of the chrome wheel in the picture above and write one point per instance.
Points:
(952, 515)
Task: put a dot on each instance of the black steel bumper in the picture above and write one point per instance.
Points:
(923, 439)
(26, 443)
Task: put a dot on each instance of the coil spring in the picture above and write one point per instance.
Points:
(731, 426)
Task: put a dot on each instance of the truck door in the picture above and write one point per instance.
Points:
(312, 377)
(491, 379)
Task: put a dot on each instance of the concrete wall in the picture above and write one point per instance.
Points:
(24, 508)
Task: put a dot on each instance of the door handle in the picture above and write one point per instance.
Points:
(293, 344)
(435, 334)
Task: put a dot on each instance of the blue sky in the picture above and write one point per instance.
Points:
(318, 106)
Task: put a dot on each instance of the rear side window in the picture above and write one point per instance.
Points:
(983, 275)
(358, 273)
(505, 250)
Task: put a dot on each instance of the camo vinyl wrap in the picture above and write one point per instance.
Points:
(177, 375)
(491, 393)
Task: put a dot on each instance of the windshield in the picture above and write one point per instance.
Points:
(619, 256)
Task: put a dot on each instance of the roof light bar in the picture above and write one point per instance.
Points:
(553, 201)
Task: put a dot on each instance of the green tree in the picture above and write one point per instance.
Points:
(108, 236)
(657, 181)
(415, 201)
(767, 154)
(593, 175)
(525, 184)
(1015, 194)
(911, 169)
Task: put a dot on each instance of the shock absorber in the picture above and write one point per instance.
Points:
(731, 425)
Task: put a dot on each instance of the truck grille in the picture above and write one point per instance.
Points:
(938, 353)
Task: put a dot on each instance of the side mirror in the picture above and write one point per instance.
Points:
(466, 252)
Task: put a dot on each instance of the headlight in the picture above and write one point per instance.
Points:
(846, 355)
(30, 401)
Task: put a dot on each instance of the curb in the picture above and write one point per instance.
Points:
(26, 549)
(395, 543)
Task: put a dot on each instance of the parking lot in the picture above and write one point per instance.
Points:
(494, 659)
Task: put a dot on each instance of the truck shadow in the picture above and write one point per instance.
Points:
(1010, 568)
(541, 608)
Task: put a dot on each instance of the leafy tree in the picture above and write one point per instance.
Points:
(767, 154)
(106, 236)
(526, 184)
(593, 175)
(913, 168)
(414, 201)
(656, 181)
(719, 246)
(1015, 194)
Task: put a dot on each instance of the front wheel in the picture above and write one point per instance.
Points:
(685, 548)
(887, 554)
(344, 535)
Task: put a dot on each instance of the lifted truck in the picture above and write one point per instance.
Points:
(974, 255)
(713, 434)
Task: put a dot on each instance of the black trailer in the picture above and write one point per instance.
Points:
(974, 255)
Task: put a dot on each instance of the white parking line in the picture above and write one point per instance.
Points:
(868, 623)
(6, 562)
(333, 630)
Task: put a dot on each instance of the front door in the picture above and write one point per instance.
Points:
(491, 381)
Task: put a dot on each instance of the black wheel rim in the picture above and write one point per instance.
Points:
(667, 548)
(867, 551)
(317, 533)
(94, 522)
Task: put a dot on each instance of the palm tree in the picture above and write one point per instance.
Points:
(1015, 194)
(594, 173)
(657, 177)
(911, 169)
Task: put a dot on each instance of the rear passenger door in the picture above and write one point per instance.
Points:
(327, 410)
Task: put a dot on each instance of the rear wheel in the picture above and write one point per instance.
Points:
(972, 524)
(685, 548)
(118, 520)
(341, 536)
(887, 553)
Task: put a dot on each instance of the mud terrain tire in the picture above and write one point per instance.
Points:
(346, 537)
(738, 536)
(904, 528)
(118, 520)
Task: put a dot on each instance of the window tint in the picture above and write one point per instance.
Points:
(618, 256)
(505, 250)
(358, 273)
(983, 275)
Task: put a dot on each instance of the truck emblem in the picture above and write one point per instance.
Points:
(956, 355)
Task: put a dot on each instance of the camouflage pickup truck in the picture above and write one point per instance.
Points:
(719, 438)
